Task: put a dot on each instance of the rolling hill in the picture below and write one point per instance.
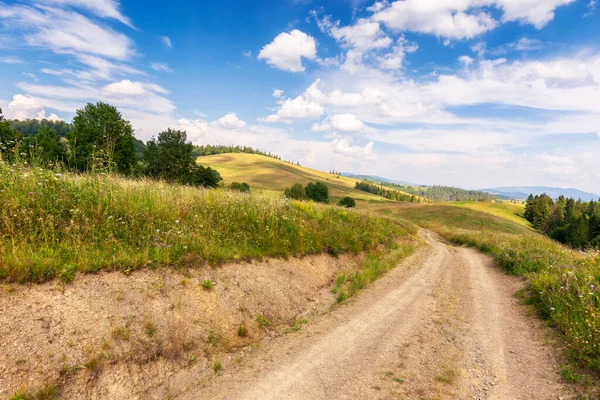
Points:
(270, 176)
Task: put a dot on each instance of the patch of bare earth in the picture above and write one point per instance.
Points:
(113, 336)
(445, 324)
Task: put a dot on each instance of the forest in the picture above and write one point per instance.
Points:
(440, 193)
(566, 220)
(391, 194)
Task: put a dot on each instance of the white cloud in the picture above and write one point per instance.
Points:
(166, 41)
(394, 59)
(447, 19)
(461, 19)
(465, 60)
(342, 145)
(287, 50)
(65, 32)
(123, 88)
(247, 53)
(157, 66)
(277, 93)
(25, 107)
(591, 9)
(11, 60)
(30, 75)
(102, 8)
(535, 12)
(296, 109)
(230, 121)
(340, 122)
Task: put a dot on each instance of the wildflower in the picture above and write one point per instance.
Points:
(30, 193)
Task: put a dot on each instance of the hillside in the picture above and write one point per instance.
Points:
(270, 176)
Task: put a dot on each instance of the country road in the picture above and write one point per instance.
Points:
(444, 324)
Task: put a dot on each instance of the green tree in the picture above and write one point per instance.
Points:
(347, 202)
(46, 146)
(100, 133)
(296, 192)
(171, 158)
(9, 138)
(317, 192)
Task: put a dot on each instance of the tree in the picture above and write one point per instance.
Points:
(100, 134)
(317, 192)
(171, 158)
(9, 139)
(296, 192)
(347, 202)
(46, 146)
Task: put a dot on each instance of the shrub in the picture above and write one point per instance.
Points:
(296, 192)
(347, 202)
(240, 187)
(317, 192)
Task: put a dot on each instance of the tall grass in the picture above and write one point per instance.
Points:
(55, 225)
(564, 285)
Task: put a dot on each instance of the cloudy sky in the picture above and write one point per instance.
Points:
(472, 93)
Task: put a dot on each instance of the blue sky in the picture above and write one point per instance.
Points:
(473, 93)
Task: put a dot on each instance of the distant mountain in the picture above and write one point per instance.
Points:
(522, 192)
(377, 179)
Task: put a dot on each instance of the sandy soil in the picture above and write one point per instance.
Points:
(111, 336)
(444, 324)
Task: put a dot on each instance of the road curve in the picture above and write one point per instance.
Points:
(444, 324)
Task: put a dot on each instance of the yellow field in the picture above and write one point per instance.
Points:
(270, 176)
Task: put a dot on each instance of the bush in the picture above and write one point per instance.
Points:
(347, 202)
(296, 192)
(240, 187)
(317, 192)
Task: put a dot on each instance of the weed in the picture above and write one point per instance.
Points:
(447, 376)
(399, 380)
(212, 337)
(217, 366)
(569, 375)
(121, 333)
(242, 331)
(262, 321)
(150, 328)
(207, 284)
(298, 324)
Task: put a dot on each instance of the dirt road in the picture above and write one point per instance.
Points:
(443, 324)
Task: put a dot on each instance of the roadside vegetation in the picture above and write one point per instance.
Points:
(55, 224)
(563, 283)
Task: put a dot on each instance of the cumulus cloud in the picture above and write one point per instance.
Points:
(287, 50)
(343, 145)
(277, 93)
(26, 107)
(296, 109)
(157, 66)
(230, 121)
(123, 88)
(340, 122)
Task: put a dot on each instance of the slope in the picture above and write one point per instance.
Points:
(270, 176)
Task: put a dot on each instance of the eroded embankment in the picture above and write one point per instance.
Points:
(115, 336)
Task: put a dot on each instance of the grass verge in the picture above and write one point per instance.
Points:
(56, 225)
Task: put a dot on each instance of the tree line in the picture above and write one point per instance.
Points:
(391, 194)
(209, 150)
(317, 191)
(101, 140)
(571, 222)
(441, 193)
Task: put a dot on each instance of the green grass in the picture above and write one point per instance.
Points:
(271, 177)
(55, 226)
(563, 283)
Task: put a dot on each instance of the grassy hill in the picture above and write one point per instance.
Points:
(270, 176)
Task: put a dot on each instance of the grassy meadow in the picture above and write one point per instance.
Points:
(563, 283)
(270, 176)
(55, 225)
